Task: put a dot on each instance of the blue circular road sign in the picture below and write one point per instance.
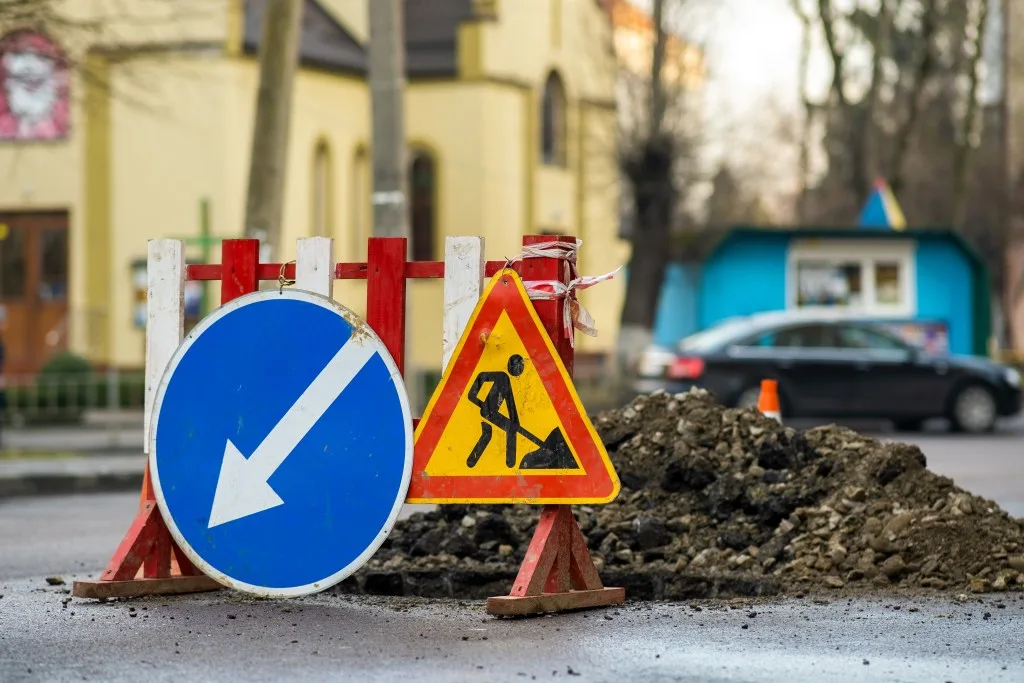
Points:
(281, 447)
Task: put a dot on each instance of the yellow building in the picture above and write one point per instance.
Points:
(510, 121)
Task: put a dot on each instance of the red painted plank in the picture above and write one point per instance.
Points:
(239, 259)
(418, 270)
(202, 271)
(158, 562)
(342, 271)
(185, 566)
(136, 545)
(550, 312)
(350, 271)
(272, 271)
(540, 555)
(385, 294)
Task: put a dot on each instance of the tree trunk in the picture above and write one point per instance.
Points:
(279, 56)
(649, 169)
(651, 177)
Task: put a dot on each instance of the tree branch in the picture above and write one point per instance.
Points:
(808, 122)
(925, 67)
(827, 18)
(971, 126)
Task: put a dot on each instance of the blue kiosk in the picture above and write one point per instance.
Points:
(926, 284)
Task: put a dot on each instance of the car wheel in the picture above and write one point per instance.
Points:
(749, 398)
(973, 410)
(908, 425)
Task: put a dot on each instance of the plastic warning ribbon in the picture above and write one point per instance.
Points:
(576, 317)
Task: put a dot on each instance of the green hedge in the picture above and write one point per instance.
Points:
(66, 387)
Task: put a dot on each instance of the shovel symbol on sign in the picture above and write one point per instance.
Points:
(552, 453)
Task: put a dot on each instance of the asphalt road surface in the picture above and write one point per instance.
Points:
(46, 636)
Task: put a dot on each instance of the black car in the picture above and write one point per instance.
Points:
(835, 367)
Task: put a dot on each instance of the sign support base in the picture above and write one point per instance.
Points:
(557, 573)
(148, 549)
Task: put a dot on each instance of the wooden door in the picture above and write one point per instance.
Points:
(34, 287)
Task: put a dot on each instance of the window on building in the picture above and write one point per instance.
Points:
(871, 277)
(824, 283)
(553, 126)
(13, 263)
(362, 212)
(423, 206)
(53, 267)
(888, 283)
(321, 213)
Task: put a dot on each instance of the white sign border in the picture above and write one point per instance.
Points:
(356, 322)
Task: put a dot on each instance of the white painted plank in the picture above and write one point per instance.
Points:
(165, 316)
(314, 265)
(463, 286)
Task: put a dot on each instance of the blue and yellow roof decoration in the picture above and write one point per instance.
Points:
(881, 210)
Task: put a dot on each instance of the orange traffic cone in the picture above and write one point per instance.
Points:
(768, 402)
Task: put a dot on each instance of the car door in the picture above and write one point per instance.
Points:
(893, 379)
(816, 375)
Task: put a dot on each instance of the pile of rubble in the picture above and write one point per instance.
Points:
(723, 502)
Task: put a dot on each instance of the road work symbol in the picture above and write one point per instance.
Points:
(281, 457)
(553, 453)
(505, 424)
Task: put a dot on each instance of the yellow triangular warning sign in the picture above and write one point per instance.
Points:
(505, 424)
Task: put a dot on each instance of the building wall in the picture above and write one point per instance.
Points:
(748, 276)
(744, 277)
(1014, 46)
(945, 291)
(175, 128)
(676, 317)
(166, 154)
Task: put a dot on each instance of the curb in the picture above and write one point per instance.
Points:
(65, 484)
(30, 453)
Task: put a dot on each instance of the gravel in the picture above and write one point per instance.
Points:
(720, 502)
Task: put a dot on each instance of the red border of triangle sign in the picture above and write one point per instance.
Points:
(598, 482)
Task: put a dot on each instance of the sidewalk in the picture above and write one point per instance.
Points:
(62, 475)
(112, 437)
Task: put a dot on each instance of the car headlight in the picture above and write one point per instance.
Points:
(1011, 376)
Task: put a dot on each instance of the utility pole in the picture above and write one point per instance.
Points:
(387, 91)
(279, 58)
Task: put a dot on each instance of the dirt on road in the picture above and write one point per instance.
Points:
(720, 502)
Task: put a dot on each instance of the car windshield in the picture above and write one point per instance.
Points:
(715, 336)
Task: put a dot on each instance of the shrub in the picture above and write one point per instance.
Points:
(66, 364)
(66, 386)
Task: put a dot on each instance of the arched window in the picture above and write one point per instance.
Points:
(423, 205)
(362, 211)
(553, 128)
(321, 210)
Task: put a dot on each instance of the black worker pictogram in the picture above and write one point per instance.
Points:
(552, 453)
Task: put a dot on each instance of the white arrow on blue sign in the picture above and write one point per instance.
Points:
(281, 448)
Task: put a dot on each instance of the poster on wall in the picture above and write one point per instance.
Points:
(821, 283)
(930, 335)
(193, 298)
(34, 85)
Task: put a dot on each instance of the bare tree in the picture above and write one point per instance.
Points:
(924, 58)
(971, 126)
(657, 153)
(807, 125)
(279, 58)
